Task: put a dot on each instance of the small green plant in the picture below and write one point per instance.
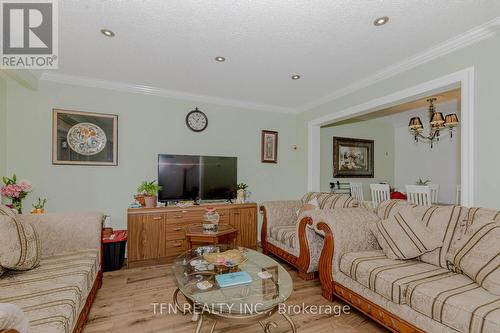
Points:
(241, 186)
(149, 189)
(40, 204)
(422, 183)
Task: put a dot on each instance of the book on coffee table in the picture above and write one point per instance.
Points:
(233, 279)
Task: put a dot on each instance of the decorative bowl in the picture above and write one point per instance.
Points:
(210, 227)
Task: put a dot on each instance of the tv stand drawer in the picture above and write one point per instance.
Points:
(185, 216)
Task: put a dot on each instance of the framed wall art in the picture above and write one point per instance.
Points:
(353, 158)
(269, 147)
(84, 138)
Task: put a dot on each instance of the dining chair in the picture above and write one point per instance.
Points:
(434, 193)
(357, 191)
(380, 193)
(458, 196)
(419, 195)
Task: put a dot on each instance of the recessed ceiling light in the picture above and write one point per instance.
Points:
(220, 59)
(381, 21)
(295, 77)
(107, 33)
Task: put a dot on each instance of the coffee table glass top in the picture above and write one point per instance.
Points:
(258, 296)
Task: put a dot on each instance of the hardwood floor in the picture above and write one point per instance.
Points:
(124, 304)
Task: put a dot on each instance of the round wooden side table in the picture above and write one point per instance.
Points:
(225, 234)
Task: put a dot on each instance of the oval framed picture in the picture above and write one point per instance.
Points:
(84, 138)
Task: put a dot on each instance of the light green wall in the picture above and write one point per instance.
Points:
(3, 126)
(484, 56)
(148, 125)
(383, 136)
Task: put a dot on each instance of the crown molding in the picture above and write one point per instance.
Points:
(154, 91)
(25, 77)
(479, 33)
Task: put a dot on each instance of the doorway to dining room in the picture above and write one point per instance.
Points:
(398, 159)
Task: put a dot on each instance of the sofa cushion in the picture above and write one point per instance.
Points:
(403, 236)
(477, 254)
(476, 213)
(446, 222)
(19, 244)
(457, 302)
(387, 277)
(310, 205)
(285, 234)
(387, 209)
(327, 200)
(53, 294)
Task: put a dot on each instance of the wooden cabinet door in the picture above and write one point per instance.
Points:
(245, 221)
(144, 236)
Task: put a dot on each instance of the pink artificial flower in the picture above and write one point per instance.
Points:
(25, 186)
(11, 191)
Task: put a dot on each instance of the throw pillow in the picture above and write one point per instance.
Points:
(402, 236)
(311, 205)
(477, 254)
(19, 244)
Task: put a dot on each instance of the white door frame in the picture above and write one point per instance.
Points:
(463, 79)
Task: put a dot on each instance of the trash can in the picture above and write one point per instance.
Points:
(114, 250)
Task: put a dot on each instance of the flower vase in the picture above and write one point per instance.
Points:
(17, 204)
(240, 198)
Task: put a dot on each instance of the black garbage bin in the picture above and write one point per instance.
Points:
(114, 250)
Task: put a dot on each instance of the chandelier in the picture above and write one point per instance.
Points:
(437, 123)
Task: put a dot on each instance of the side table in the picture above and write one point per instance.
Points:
(224, 235)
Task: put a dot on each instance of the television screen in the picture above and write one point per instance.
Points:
(186, 177)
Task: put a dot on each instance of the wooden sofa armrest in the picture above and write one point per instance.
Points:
(344, 230)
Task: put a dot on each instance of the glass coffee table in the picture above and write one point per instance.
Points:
(256, 301)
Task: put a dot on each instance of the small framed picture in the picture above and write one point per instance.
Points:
(353, 157)
(269, 147)
(84, 138)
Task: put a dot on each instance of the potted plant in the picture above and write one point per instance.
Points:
(39, 206)
(15, 191)
(422, 182)
(150, 191)
(241, 189)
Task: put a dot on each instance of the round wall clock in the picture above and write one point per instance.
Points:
(196, 120)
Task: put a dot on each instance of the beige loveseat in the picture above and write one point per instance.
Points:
(419, 295)
(289, 236)
(57, 295)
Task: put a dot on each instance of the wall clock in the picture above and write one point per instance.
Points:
(196, 120)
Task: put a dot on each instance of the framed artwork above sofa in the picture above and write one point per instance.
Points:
(84, 138)
(353, 158)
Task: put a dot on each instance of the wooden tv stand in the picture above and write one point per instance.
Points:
(157, 235)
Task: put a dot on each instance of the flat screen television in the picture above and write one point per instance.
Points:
(189, 177)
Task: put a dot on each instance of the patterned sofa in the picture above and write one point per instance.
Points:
(404, 295)
(288, 237)
(57, 295)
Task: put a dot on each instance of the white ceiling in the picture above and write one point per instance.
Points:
(171, 45)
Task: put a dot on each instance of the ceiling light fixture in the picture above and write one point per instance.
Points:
(220, 59)
(295, 77)
(381, 21)
(437, 123)
(107, 33)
